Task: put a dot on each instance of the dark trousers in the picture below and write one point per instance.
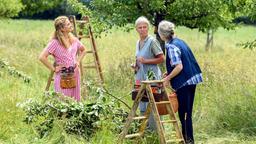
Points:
(186, 96)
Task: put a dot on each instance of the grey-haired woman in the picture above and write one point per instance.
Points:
(148, 55)
(183, 73)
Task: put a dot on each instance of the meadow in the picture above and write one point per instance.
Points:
(225, 104)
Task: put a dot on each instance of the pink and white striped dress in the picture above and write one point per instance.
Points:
(67, 57)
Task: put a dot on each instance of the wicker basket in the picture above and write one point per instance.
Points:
(68, 82)
(174, 102)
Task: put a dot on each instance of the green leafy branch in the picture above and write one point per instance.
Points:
(151, 75)
(249, 45)
(12, 71)
(79, 118)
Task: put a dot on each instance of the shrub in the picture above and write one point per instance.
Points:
(10, 8)
(79, 118)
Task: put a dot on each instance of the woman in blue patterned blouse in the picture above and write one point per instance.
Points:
(183, 73)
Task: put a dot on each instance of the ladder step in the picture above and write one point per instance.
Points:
(83, 36)
(89, 51)
(169, 121)
(163, 102)
(152, 81)
(81, 21)
(176, 140)
(139, 118)
(90, 67)
(133, 135)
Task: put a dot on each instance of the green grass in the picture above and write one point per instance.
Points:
(224, 110)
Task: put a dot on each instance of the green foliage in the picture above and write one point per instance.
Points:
(12, 71)
(82, 9)
(82, 119)
(151, 75)
(10, 8)
(201, 14)
(79, 7)
(99, 25)
(251, 45)
(36, 6)
(249, 11)
(238, 7)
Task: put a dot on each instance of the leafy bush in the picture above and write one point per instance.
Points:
(10, 8)
(32, 7)
(79, 118)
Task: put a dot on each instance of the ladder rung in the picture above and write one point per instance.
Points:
(152, 81)
(176, 140)
(81, 21)
(169, 121)
(89, 66)
(83, 36)
(139, 118)
(163, 102)
(89, 51)
(133, 135)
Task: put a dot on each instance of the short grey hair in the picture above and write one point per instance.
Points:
(142, 19)
(166, 29)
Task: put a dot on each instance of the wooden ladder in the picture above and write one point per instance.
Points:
(83, 24)
(152, 106)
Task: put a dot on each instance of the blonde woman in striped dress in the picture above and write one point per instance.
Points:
(64, 47)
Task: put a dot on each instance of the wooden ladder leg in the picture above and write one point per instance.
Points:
(143, 124)
(159, 126)
(83, 88)
(145, 121)
(96, 57)
(172, 116)
(84, 23)
(49, 81)
(131, 114)
(176, 126)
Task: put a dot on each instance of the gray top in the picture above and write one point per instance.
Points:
(149, 50)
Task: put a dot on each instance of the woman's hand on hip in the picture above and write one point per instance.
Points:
(77, 66)
(58, 68)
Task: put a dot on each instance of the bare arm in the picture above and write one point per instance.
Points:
(157, 60)
(82, 53)
(43, 57)
(174, 73)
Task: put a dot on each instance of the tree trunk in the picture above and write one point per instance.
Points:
(209, 40)
(158, 18)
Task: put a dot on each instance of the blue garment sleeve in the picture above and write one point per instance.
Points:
(174, 55)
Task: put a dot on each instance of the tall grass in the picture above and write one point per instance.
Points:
(224, 110)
